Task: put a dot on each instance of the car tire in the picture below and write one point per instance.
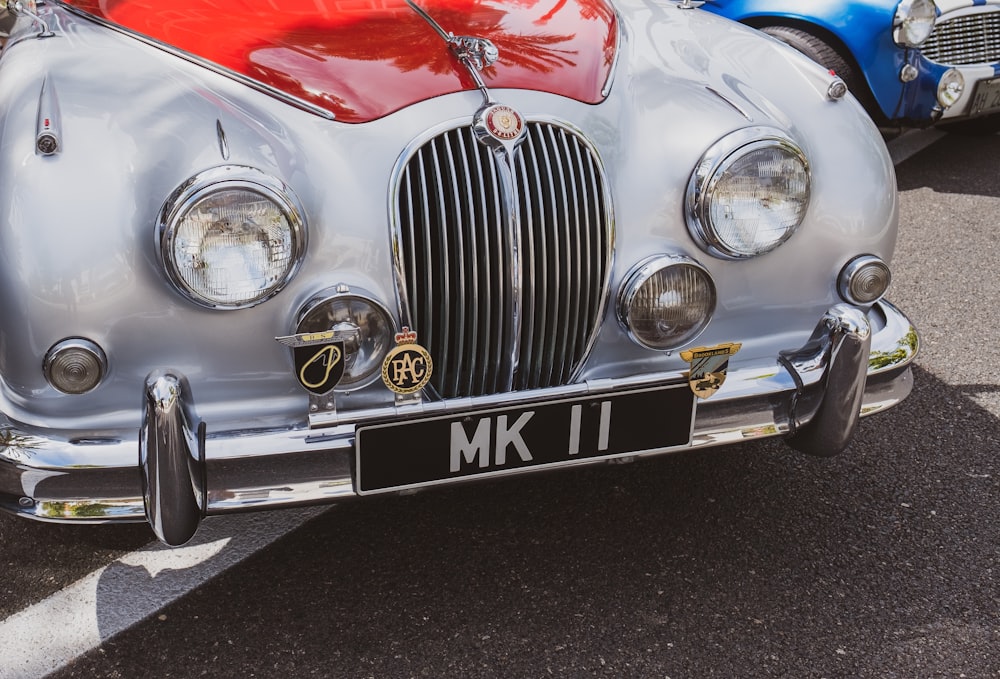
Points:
(975, 127)
(827, 56)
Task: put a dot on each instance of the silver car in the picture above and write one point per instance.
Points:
(260, 255)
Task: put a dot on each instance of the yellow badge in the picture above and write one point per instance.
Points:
(407, 367)
(708, 367)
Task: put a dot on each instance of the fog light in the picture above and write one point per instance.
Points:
(75, 365)
(950, 88)
(666, 302)
(362, 323)
(864, 280)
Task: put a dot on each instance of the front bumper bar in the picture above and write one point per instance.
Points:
(855, 364)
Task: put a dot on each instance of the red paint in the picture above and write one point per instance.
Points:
(364, 59)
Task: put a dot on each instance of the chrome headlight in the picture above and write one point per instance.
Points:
(666, 301)
(913, 22)
(748, 194)
(363, 324)
(864, 280)
(950, 87)
(231, 237)
(75, 365)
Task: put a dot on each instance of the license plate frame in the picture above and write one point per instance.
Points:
(986, 96)
(394, 456)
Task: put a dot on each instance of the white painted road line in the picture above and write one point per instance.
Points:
(911, 143)
(52, 633)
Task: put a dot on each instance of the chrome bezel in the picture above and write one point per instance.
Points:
(75, 343)
(851, 271)
(904, 12)
(637, 277)
(952, 75)
(342, 293)
(721, 155)
(228, 177)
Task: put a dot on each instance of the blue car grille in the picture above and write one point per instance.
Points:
(505, 285)
(970, 39)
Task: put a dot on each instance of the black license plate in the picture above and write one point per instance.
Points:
(401, 455)
(986, 96)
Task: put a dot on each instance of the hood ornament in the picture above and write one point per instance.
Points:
(495, 125)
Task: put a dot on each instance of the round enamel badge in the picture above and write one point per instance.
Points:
(503, 122)
(407, 367)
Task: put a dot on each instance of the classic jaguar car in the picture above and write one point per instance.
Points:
(257, 256)
(912, 63)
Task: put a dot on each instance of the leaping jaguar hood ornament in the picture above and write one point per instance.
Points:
(363, 63)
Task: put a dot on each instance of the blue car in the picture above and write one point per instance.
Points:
(911, 63)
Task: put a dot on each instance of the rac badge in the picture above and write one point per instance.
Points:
(407, 367)
(708, 367)
(319, 360)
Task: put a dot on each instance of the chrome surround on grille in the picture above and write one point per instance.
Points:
(503, 340)
(972, 38)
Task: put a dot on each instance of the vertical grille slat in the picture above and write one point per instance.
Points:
(586, 268)
(965, 40)
(442, 253)
(464, 379)
(458, 253)
(451, 192)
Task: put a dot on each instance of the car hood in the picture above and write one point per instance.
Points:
(363, 59)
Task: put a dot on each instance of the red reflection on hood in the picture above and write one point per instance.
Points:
(363, 59)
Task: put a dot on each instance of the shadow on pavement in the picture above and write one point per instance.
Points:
(944, 166)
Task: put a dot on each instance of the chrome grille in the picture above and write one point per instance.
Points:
(970, 39)
(504, 296)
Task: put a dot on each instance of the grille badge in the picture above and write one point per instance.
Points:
(498, 125)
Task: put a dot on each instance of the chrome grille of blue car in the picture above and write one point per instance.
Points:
(970, 39)
(504, 296)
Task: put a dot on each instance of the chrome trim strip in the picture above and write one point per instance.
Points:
(206, 64)
(619, 48)
(48, 123)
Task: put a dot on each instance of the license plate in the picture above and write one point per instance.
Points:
(986, 97)
(497, 441)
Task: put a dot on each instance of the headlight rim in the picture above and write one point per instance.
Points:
(214, 180)
(342, 293)
(946, 95)
(905, 13)
(74, 344)
(724, 153)
(849, 276)
(632, 283)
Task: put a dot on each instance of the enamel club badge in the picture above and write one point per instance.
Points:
(407, 367)
(708, 367)
(319, 360)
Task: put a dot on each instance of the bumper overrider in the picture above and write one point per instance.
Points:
(176, 470)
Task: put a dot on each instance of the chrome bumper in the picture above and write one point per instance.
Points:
(173, 472)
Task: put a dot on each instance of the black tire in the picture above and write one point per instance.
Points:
(828, 57)
(974, 127)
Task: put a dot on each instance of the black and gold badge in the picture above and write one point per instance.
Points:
(708, 367)
(319, 360)
(407, 367)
